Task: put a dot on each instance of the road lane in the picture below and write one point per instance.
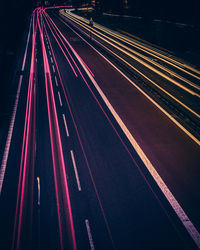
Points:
(151, 83)
(95, 192)
(8, 197)
(23, 225)
(47, 216)
(186, 201)
(149, 50)
(158, 154)
(87, 115)
(10, 132)
(83, 209)
(65, 218)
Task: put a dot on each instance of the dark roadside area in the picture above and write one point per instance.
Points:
(180, 39)
(14, 20)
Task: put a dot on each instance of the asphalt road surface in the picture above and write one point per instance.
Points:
(70, 176)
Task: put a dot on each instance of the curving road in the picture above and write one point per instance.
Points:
(90, 161)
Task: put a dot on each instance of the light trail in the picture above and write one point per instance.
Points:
(55, 137)
(83, 61)
(61, 35)
(163, 90)
(12, 123)
(58, 7)
(55, 27)
(148, 184)
(177, 123)
(140, 46)
(62, 49)
(26, 154)
(113, 42)
(148, 97)
(169, 196)
(51, 139)
(38, 186)
(56, 31)
(177, 208)
(57, 155)
(84, 154)
(171, 199)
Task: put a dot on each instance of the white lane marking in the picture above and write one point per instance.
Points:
(53, 68)
(147, 62)
(51, 59)
(10, 131)
(146, 50)
(56, 81)
(38, 185)
(171, 199)
(59, 98)
(49, 52)
(75, 170)
(148, 97)
(89, 234)
(66, 128)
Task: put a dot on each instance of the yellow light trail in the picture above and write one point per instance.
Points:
(163, 90)
(139, 60)
(155, 54)
(144, 48)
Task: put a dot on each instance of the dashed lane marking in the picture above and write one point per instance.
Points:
(66, 128)
(59, 97)
(56, 81)
(75, 170)
(89, 234)
(53, 69)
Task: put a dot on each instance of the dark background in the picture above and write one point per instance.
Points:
(14, 16)
(13, 21)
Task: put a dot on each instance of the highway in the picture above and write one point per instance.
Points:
(93, 160)
(176, 82)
